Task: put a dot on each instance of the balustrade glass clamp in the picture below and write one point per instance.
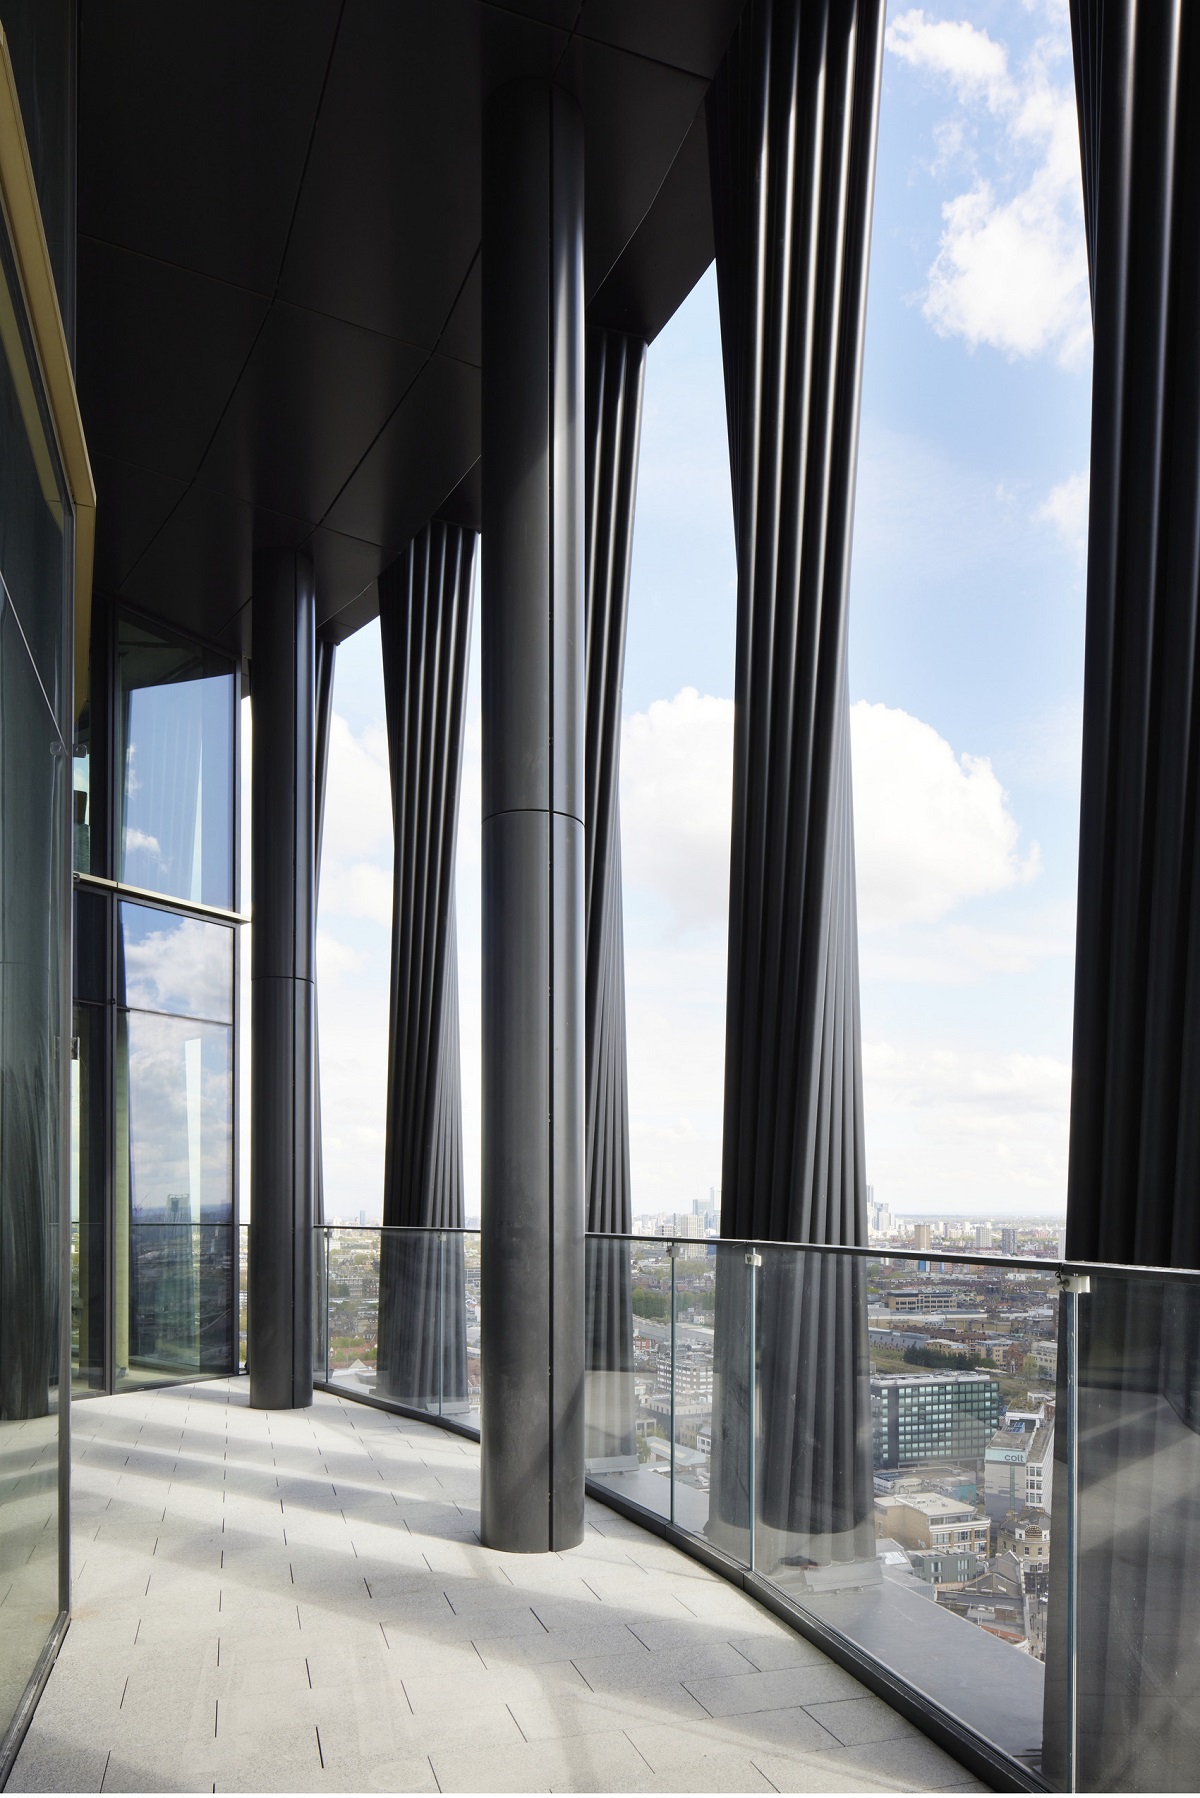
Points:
(674, 1250)
(1076, 1283)
(754, 1259)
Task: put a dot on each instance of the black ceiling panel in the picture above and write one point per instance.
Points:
(562, 13)
(419, 458)
(195, 120)
(670, 250)
(669, 31)
(196, 572)
(159, 354)
(132, 505)
(388, 222)
(344, 571)
(463, 335)
(315, 393)
(279, 287)
(636, 116)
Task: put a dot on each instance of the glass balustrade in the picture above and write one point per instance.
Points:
(398, 1317)
(980, 1476)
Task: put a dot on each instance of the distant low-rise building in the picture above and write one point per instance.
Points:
(1026, 1536)
(927, 1520)
(1018, 1472)
(941, 1567)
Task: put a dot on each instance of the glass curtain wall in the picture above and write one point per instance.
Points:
(35, 572)
(153, 1262)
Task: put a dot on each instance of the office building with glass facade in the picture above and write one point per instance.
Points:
(308, 307)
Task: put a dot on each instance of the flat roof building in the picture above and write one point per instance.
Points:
(920, 1418)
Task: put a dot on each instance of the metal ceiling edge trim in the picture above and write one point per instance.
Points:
(23, 214)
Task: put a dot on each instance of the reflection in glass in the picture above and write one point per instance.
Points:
(442, 1286)
(32, 829)
(174, 1096)
(1138, 1542)
(41, 39)
(81, 824)
(610, 1404)
(422, 1358)
(88, 1161)
(32, 543)
(174, 964)
(175, 760)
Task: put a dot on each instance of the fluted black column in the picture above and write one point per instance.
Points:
(1135, 1124)
(326, 657)
(425, 629)
(280, 1310)
(534, 1168)
(792, 127)
(615, 378)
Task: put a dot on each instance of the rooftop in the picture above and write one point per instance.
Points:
(299, 1601)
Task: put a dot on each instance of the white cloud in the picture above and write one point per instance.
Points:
(965, 1128)
(1066, 508)
(930, 828)
(1011, 268)
(357, 890)
(139, 839)
(975, 65)
(966, 954)
(676, 795)
(182, 967)
(358, 800)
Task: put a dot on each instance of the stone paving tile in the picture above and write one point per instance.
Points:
(300, 1602)
(919, 1765)
(773, 1649)
(603, 1762)
(537, 1646)
(857, 1720)
(773, 1691)
(773, 1732)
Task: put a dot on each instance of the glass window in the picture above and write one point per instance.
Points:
(81, 807)
(40, 34)
(173, 964)
(32, 511)
(32, 831)
(89, 1150)
(174, 1211)
(175, 761)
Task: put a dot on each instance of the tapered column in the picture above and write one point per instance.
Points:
(280, 1319)
(326, 659)
(533, 831)
(425, 629)
(792, 118)
(616, 367)
(1134, 1169)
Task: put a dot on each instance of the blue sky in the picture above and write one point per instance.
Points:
(966, 675)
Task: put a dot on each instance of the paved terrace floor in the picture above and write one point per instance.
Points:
(299, 1601)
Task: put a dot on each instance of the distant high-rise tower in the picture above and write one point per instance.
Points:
(1008, 1240)
(983, 1236)
(923, 1235)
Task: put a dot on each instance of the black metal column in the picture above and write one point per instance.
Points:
(280, 1318)
(1135, 1124)
(326, 660)
(616, 366)
(425, 628)
(616, 369)
(792, 118)
(533, 831)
